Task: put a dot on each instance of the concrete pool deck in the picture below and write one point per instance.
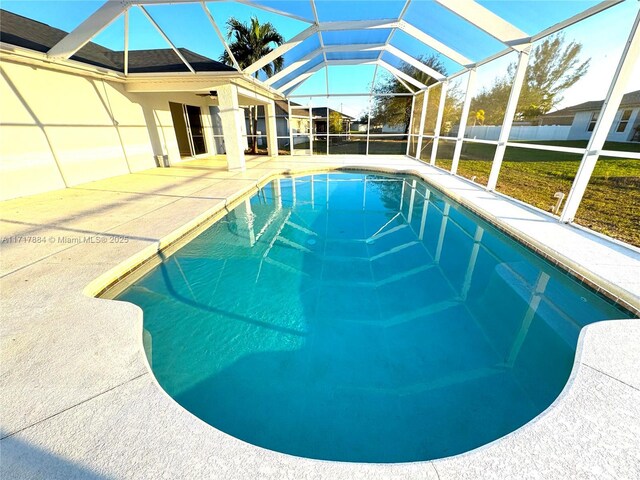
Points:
(79, 401)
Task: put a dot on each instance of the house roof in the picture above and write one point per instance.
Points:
(317, 112)
(322, 113)
(27, 33)
(630, 99)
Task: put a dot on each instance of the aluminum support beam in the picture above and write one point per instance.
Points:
(423, 116)
(369, 124)
(549, 31)
(576, 18)
(281, 50)
(413, 106)
(486, 20)
(293, 66)
(510, 111)
(320, 51)
(126, 42)
(402, 75)
(358, 25)
(328, 138)
(390, 37)
(630, 56)
(311, 128)
(313, 29)
(290, 127)
(435, 44)
(355, 47)
(404, 84)
(415, 63)
(273, 10)
(249, 3)
(92, 26)
(164, 35)
(463, 120)
(321, 41)
(220, 35)
(301, 78)
(436, 132)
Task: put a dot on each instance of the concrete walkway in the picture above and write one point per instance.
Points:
(78, 400)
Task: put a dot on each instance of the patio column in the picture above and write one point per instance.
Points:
(623, 74)
(272, 128)
(231, 116)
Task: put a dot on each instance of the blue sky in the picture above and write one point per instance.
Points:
(602, 36)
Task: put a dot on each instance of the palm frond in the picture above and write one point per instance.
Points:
(251, 41)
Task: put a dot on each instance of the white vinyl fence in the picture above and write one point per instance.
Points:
(528, 132)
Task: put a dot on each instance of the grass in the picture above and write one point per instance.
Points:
(357, 147)
(611, 204)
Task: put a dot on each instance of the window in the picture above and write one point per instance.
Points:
(592, 122)
(624, 120)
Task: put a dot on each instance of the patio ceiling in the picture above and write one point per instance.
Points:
(368, 33)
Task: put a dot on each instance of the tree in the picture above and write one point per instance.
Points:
(335, 122)
(478, 117)
(250, 43)
(554, 66)
(397, 110)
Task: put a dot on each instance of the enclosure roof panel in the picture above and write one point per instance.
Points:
(390, 34)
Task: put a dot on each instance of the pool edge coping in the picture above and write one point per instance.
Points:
(180, 236)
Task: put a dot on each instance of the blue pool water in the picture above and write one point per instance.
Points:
(361, 317)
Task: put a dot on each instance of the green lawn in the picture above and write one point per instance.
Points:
(357, 147)
(611, 204)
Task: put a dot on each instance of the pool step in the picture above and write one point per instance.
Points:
(379, 283)
(410, 316)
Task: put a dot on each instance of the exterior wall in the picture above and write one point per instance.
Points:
(579, 126)
(627, 134)
(582, 119)
(60, 129)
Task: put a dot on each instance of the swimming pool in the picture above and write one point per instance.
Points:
(361, 317)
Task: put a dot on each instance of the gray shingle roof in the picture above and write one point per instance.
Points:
(628, 100)
(27, 33)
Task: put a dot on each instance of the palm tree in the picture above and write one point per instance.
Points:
(250, 43)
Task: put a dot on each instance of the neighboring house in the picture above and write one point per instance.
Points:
(319, 115)
(359, 127)
(300, 121)
(583, 117)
